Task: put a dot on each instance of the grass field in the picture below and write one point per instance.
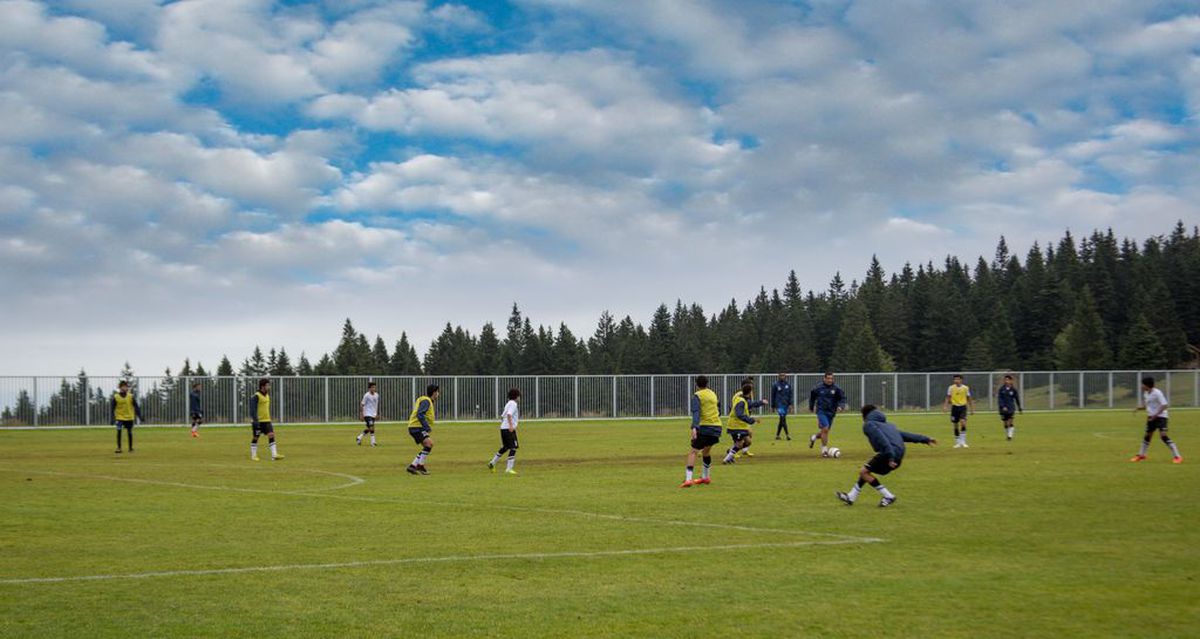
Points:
(1054, 534)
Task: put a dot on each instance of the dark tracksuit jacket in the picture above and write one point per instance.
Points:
(886, 439)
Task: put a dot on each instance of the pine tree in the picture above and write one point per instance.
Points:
(1082, 345)
(661, 341)
(1140, 348)
(512, 348)
(977, 357)
(404, 358)
(1001, 344)
(283, 365)
(346, 357)
(380, 360)
(225, 368)
(304, 368)
(602, 349)
(857, 350)
(200, 372)
(488, 361)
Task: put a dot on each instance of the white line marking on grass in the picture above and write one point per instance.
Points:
(354, 481)
(548, 511)
(430, 560)
(1108, 434)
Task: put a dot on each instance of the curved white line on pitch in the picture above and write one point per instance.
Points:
(354, 481)
(547, 511)
(430, 560)
(1108, 434)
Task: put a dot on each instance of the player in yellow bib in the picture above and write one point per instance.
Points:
(959, 401)
(260, 416)
(706, 431)
(420, 425)
(125, 411)
(740, 421)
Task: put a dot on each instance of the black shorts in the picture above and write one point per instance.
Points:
(878, 465)
(508, 439)
(419, 435)
(1006, 414)
(958, 414)
(1158, 423)
(370, 421)
(124, 423)
(263, 428)
(738, 434)
(706, 436)
(197, 416)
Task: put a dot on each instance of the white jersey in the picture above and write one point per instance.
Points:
(510, 409)
(370, 405)
(1154, 402)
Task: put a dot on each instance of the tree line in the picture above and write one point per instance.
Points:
(1094, 303)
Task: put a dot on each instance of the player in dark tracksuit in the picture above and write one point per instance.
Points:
(196, 409)
(826, 400)
(888, 443)
(1009, 400)
(781, 402)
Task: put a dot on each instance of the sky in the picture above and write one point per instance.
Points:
(192, 178)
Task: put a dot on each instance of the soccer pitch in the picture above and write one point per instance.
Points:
(1053, 534)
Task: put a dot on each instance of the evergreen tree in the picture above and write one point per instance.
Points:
(857, 349)
(283, 365)
(304, 368)
(488, 361)
(348, 355)
(602, 347)
(1001, 344)
(225, 368)
(513, 346)
(1082, 345)
(1140, 348)
(404, 358)
(380, 359)
(567, 354)
(200, 372)
(977, 357)
(661, 341)
(325, 366)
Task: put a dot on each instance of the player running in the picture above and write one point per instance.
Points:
(781, 402)
(740, 422)
(125, 411)
(196, 409)
(508, 433)
(368, 411)
(1155, 405)
(260, 415)
(826, 400)
(1009, 401)
(706, 431)
(959, 400)
(888, 443)
(420, 423)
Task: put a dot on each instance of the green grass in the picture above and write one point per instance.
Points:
(1054, 534)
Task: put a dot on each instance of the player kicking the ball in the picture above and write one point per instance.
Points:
(888, 442)
(420, 424)
(368, 411)
(1155, 405)
(740, 421)
(508, 433)
(706, 431)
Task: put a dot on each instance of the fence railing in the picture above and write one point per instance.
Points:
(75, 400)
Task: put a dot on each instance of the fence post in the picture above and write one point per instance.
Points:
(614, 393)
(1195, 388)
(576, 397)
(326, 402)
(537, 396)
(35, 402)
(1053, 384)
(653, 399)
(927, 392)
(862, 389)
(991, 391)
(456, 399)
(282, 405)
(1137, 390)
(1081, 398)
(496, 394)
(896, 391)
(1169, 383)
(1110, 390)
(234, 386)
(87, 402)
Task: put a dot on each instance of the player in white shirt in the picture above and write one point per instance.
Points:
(368, 411)
(508, 433)
(1155, 404)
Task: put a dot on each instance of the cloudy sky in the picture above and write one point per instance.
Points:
(191, 178)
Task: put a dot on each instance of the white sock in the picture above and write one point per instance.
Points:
(1174, 449)
(1145, 447)
(254, 450)
(372, 439)
(512, 460)
(884, 491)
(689, 473)
(273, 451)
(495, 459)
(705, 471)
(359, 438)
(824, 449)
(854, 491)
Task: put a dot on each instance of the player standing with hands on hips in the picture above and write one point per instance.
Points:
(1155, 405)
(781, 401)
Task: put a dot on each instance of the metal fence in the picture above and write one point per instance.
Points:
(63, 401)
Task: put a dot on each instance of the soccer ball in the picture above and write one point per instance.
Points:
(834, 453)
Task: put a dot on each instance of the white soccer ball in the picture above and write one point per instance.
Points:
(834, 453)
